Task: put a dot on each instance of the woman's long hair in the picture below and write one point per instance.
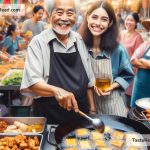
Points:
(109, 37)
(10, 29)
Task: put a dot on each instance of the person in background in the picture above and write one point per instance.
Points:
(141, 60)
(34, 24)
(58, 68)
(109, 59)
(120, 21)
(2, 28)
(130, 40)
(10, 44)
(129, 37)
(78, 22)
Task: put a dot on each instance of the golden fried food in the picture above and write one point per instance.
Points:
(108, 129)
(118, 143)
(96, 135)
(105, 148)
(148, 116)
(100, 143)
(19, 142)
(133, 148)
(71, 142)
(82, 132)
(72, 148)
(147, 110)
(3, 126)
(118, 135)
(35, 128)
(85, 144)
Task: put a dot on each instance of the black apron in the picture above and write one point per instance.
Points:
(67, 72)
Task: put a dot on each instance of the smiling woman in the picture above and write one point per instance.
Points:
(109, 59)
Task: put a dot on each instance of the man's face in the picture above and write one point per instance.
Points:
(63, 16)
(39, 14)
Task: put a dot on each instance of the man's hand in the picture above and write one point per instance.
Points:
(66, 99)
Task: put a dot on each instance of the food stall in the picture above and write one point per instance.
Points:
(33, 133)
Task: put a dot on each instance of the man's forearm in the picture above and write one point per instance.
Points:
(43, 89)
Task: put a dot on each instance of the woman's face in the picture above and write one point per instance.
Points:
(16, 32)
(130, 23)
(98, 21)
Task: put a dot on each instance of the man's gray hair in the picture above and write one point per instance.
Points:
(49, 5)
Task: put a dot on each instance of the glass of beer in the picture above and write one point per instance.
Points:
(102, 83)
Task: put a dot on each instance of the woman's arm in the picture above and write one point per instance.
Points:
(4, 50)
(141, 63)
(3, 57)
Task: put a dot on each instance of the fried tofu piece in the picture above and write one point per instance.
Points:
(72, 148)
(100, 143)
(96, 135)
(119, 135)
(105, 148)
(133, 148)
(108, 129)
(85, 144)
(82, 132)
(71, 142)
(118, 143)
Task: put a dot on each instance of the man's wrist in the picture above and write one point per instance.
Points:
(92, 110)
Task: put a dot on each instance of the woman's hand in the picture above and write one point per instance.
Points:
(101, 93)
(145, 62)
(107, 91)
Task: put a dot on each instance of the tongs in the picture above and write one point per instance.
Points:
(97, 122)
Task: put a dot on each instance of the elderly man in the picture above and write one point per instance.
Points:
(57, 66)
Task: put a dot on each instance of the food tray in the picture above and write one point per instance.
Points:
(40, 137)
(26, 120)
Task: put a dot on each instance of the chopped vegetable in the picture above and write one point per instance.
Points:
(13, 78)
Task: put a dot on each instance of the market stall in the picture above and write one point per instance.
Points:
(11, 75)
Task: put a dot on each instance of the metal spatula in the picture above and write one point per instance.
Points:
(97, 123)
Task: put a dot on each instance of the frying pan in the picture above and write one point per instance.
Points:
(142, 104)
(116, 122)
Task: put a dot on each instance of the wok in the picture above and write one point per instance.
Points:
(142, 104)
(115, 122)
